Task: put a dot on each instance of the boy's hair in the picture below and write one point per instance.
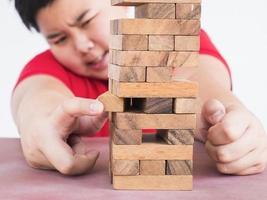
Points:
(28, 10)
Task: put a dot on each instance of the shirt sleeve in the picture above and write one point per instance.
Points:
(207, 47)
(44, 63)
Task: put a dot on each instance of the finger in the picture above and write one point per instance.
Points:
(62, 157)
(256, 169)
(233, 151)
(233, 126)
(213, 111)
(251, 159)
(67, 112)
(92, 124)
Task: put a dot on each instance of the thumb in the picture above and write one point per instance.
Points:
(213, 111)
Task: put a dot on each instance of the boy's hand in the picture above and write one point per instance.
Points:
(46, 147)
(236, 140)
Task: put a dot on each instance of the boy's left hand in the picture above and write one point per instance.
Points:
(236, 140)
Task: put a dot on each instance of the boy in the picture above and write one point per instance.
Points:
(54, 102)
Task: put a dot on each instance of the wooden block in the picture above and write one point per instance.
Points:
(165, 182)
(138, 2)
(127, 74)
(156, 105)
(154, 58)
(155, 11)
(187, 43)
(177, 137)
(126, 167)
(179, 167)
(159, 74)
(154, 121)
(110, 85)
(161, 43)
(111, 102)
(152, 167)
(129, 42)
(152, 151)
(126, 137)
(177, 89)
(185, 105)
(154, 27)
(188, 11)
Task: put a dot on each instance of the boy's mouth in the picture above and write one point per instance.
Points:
(99, 63)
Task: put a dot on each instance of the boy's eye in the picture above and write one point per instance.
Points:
(88, 21)
(61, 40)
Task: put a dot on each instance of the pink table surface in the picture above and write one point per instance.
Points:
(18, 181)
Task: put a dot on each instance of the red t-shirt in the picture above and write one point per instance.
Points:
(45, 63)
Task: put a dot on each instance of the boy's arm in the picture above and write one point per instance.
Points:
(46, 113)
(233, 136)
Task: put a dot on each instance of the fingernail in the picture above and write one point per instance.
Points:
(96, 107)
(216, 117)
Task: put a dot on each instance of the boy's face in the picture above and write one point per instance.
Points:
(78, 34)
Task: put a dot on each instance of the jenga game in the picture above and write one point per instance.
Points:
(145, 53)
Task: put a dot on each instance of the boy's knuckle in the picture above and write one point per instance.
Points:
(261, 167)
(222, 156)
(222, 168)
(228, 131)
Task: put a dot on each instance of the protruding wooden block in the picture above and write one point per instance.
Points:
(157, 121)
(111, 102)
(161, 43)
(152, 151)
(138, 2)
(159, 74)
(156, 105)
(185, 105)
(163, 182)
(154, 58)
(179, 167)
(177, 137)
(187, 43)
(188, 11)
(154, 27)
(126, 167)
(152, 167)
(155, 11)
(177, 89)
(129, 42)
(127, 74)
(126, 137)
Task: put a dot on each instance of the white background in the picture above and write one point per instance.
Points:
(238, 28)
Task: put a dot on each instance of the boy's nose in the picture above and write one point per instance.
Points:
(84, 44)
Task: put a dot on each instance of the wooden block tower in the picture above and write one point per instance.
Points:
(143, 94)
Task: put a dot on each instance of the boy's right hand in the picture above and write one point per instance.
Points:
(45, 145)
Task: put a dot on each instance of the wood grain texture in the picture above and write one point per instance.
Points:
(138, 2)
(152, 167)
(154, 58)
(156, 105)
(176, 136)
(154, 27)
(152, 151)
(126, 137)
(177, 89)
(155, 11)
(111, 102)
(188, 11)
(161, 43)
(185, 105)
(154, 121)
(126, 167)
(165, 182)
(127, 74)
(129, 42)
(179, 167)
(159, 74)
(187, 43)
